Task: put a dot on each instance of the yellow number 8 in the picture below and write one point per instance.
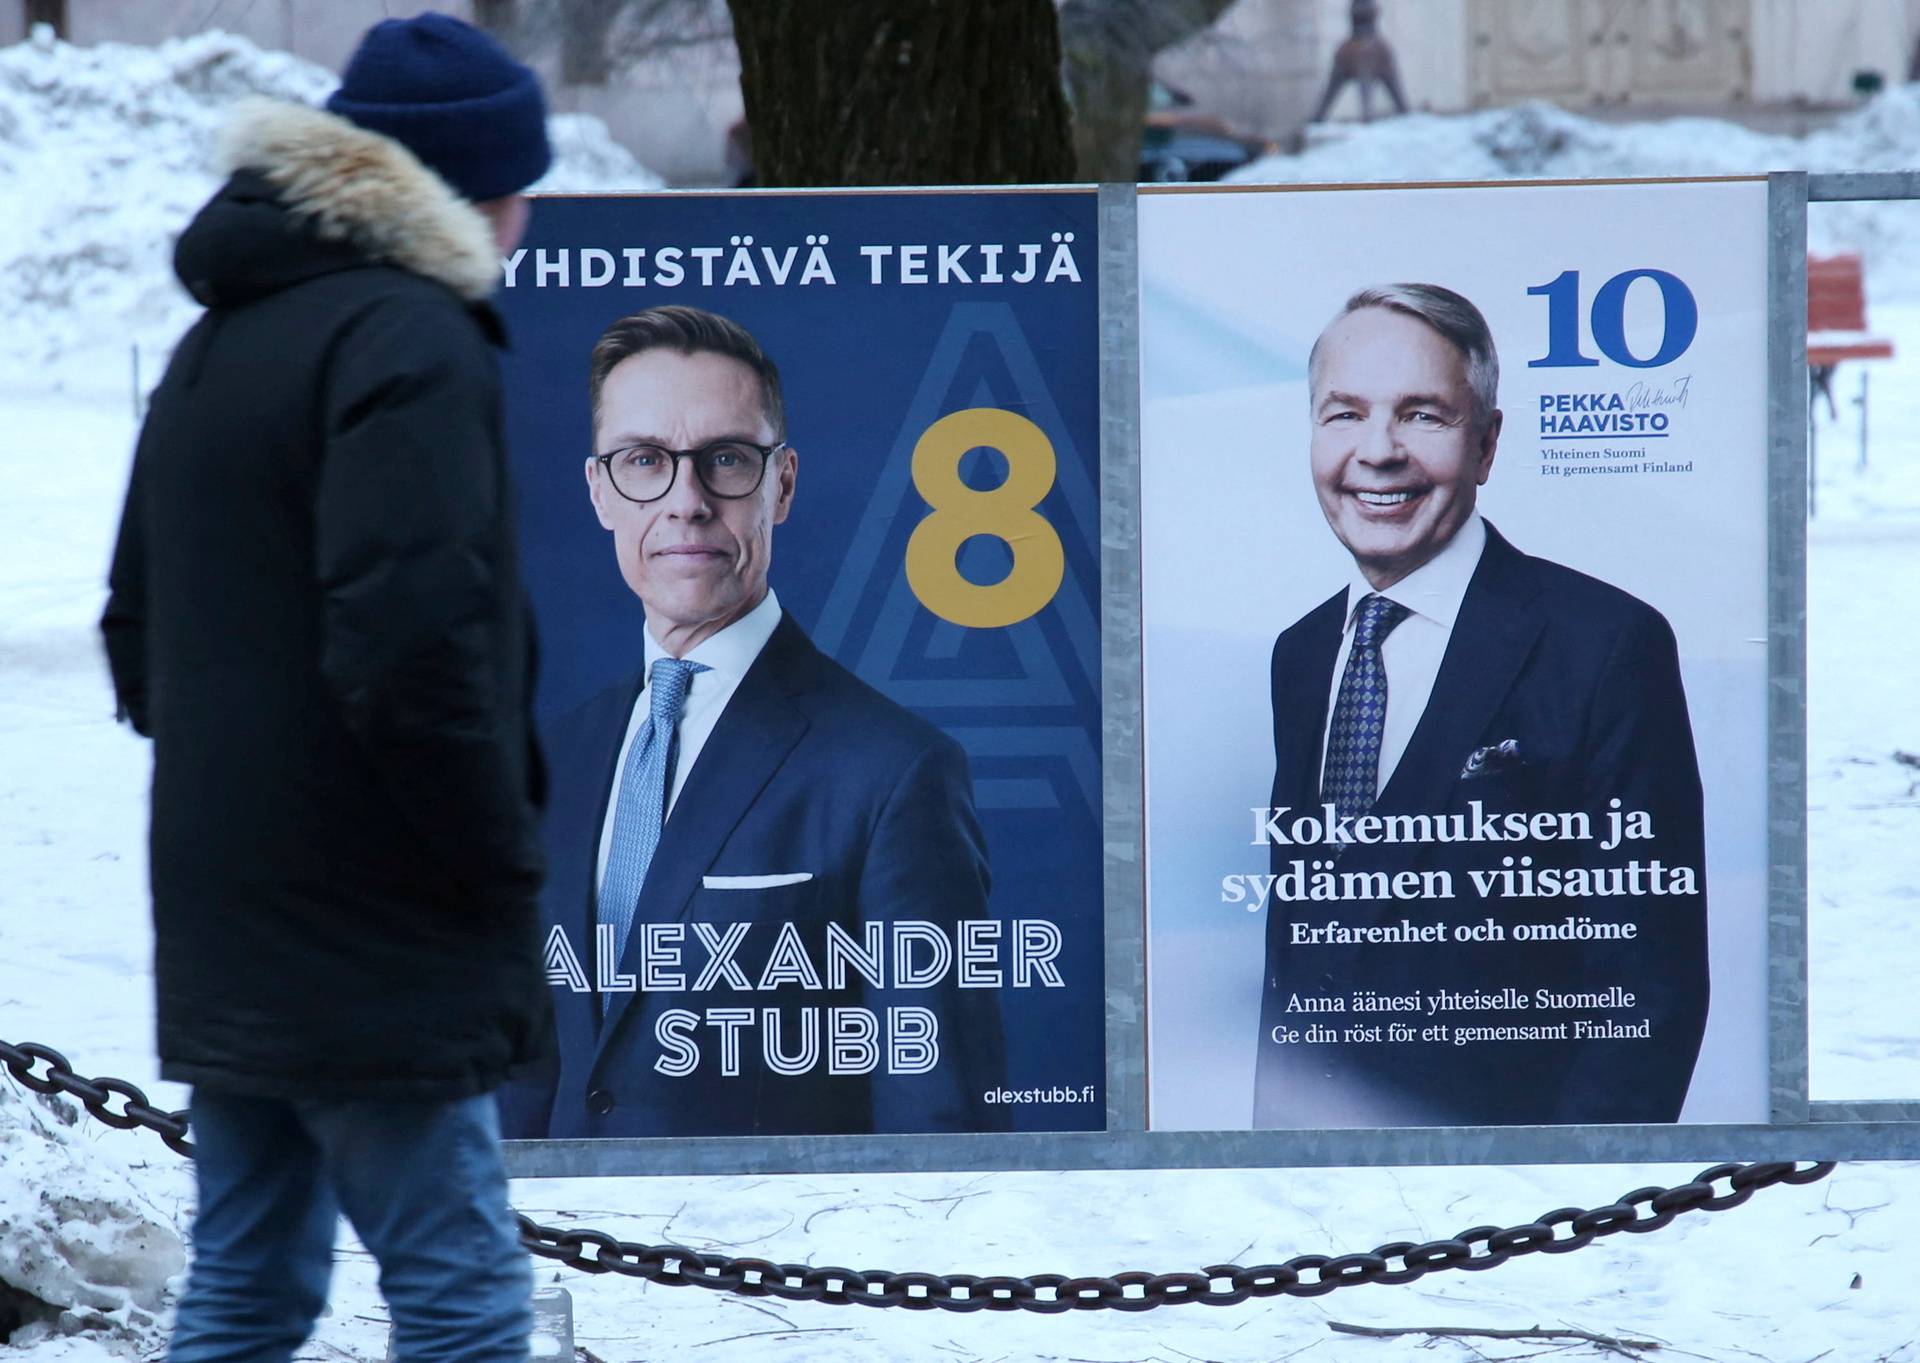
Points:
(1005, 512)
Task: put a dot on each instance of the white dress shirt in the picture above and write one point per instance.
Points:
(1411, 655)
(727, 656)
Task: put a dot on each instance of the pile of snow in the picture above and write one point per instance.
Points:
(1539, 141)
(82, 1250)
(586, 160)
(107, 151)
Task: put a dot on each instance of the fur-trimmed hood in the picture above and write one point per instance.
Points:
(361, 191)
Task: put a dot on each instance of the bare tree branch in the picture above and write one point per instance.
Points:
(1464, 1332)
(598, 38)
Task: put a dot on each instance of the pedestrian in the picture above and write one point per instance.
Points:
(317, 616)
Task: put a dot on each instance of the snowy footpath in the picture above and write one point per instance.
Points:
(1826, 1272)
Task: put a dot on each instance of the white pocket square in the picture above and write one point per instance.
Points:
(754, 882)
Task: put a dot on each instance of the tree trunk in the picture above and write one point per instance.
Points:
(903, 92)
(1110, 45)
(501, 18)
(586, 56)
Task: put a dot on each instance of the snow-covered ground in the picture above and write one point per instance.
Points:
(106, 151)
(1541, 142)
(1797, 1275)
(1863, 673)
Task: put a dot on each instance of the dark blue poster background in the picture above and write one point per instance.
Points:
(871, 358)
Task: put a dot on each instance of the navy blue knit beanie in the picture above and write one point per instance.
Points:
(453, 97)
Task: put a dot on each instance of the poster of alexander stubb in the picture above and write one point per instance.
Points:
(808, 502)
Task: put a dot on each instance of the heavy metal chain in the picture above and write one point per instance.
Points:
(96, 1094)
(1306, 1275)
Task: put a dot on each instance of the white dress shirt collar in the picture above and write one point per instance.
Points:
(1413, 651)
(731, 651)
(1436, 588)
(727, 655)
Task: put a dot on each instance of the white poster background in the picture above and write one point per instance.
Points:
(1234, 287)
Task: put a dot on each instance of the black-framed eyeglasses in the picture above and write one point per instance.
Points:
(728, 469)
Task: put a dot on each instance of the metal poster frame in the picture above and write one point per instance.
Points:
(1800, 1127)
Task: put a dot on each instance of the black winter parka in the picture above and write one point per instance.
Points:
(316, 614)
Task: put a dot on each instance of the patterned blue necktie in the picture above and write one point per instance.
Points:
(1350, 779)
(644, 783)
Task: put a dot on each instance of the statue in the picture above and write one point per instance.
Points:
(1367, 58)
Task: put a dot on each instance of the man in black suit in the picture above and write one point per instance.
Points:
(1454, 683)
(766, 910)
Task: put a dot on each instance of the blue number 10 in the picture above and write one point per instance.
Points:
(1608, 321)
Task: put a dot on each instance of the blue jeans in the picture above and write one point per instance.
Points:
(425, 1189)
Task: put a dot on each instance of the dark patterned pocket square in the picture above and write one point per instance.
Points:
(1492, 759)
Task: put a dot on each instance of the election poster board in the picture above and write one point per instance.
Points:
(1455, 722)
(873, 903)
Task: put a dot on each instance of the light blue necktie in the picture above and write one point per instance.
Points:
(642, 811)
(1350, 780)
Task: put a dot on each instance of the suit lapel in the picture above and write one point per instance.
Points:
(756, 732)
(1300, 717)
(1492, 636)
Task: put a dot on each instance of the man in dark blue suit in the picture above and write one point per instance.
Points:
(767, 898)
(1456, 689)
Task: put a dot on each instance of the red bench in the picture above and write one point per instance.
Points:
(1837, 320)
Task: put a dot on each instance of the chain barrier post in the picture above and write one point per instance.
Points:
(552, 1323)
